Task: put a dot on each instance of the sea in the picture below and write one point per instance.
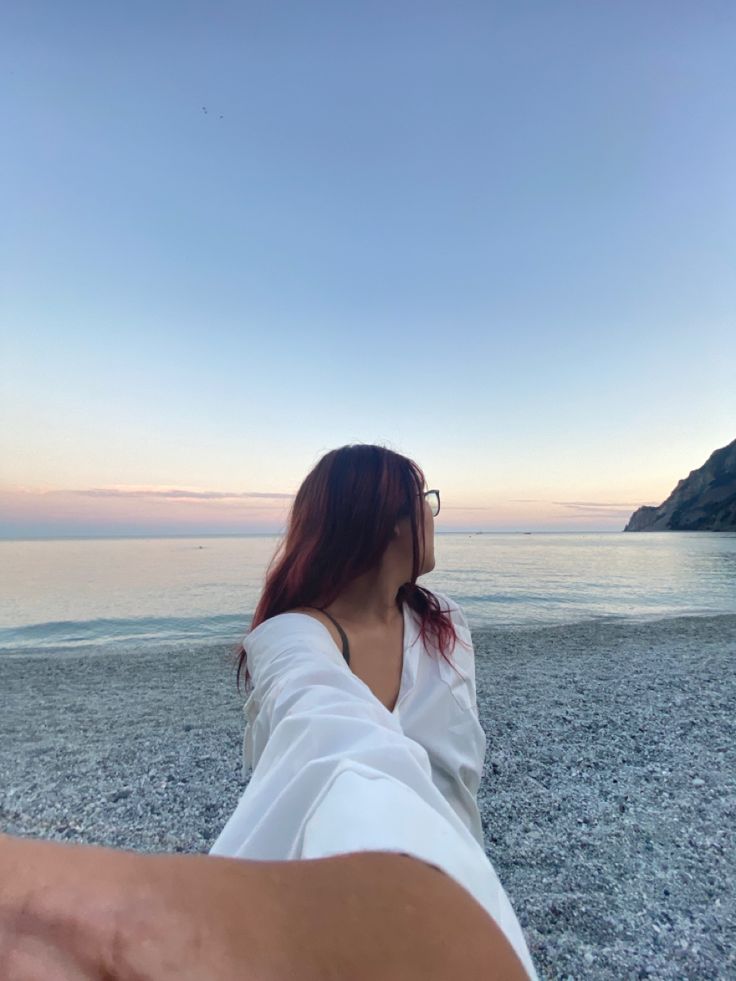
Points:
(107, 594)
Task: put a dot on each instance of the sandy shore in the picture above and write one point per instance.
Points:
(608, 799)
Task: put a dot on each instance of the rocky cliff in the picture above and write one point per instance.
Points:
(705, 500)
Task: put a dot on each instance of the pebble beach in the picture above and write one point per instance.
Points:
(608, 797)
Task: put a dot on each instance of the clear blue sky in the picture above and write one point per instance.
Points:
(499, 238)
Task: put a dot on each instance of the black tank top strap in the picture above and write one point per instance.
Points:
(343, 635)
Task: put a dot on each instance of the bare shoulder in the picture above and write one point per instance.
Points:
(309, 610)
(322, 618)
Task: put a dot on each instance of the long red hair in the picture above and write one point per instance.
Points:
(340, 524)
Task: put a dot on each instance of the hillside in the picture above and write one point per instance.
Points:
(705, 500)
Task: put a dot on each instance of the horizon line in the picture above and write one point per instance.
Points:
(275, 534)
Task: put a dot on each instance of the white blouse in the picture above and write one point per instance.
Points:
(334, 771)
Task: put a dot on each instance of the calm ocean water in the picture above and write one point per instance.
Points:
(112, 593)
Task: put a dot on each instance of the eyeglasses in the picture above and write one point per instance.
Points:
(433, 496)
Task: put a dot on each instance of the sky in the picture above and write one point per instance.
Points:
(498, 238)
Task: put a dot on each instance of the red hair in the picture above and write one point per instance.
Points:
(339, 526)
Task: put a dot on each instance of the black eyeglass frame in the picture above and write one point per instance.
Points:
(434, 491)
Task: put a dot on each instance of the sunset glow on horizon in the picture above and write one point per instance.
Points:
(129, 511)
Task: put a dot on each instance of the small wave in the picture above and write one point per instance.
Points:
(69, 634)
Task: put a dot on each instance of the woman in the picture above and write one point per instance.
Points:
(366, 750)
(362, 732)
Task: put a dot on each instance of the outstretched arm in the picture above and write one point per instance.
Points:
(81, 912)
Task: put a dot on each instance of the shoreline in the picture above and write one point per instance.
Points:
(608, 796)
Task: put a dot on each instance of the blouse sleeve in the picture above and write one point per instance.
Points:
(335, 773)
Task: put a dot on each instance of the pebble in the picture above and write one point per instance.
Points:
(143, 751)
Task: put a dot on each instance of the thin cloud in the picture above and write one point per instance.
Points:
(599, 513)
(596, 509)
(597, 504)
(172, 494)
(579, 508)
(588, 509)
